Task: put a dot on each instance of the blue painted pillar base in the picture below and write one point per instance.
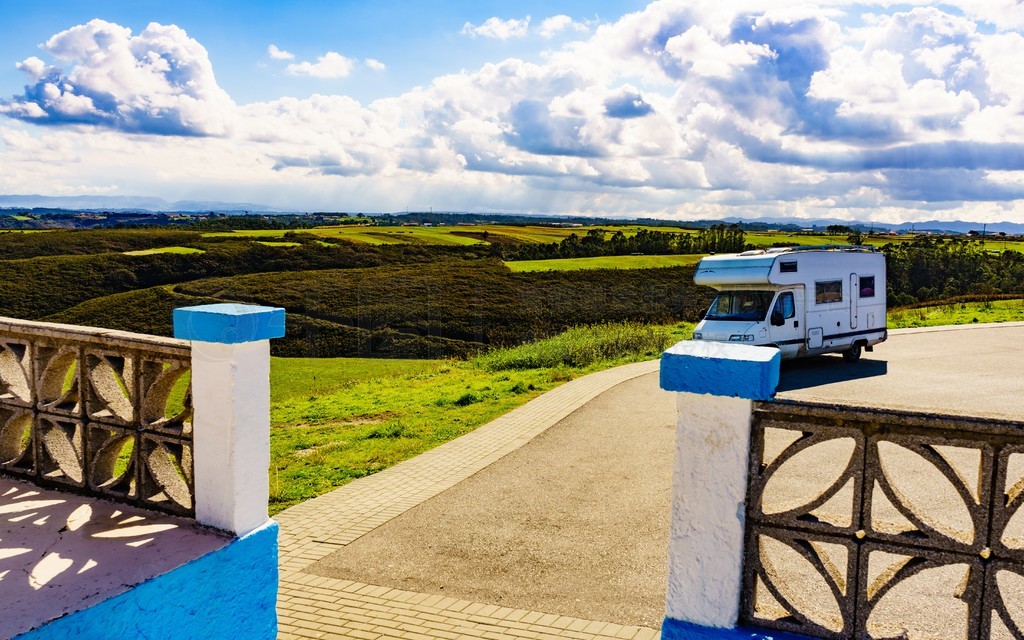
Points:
(673, 629)
(229, 593)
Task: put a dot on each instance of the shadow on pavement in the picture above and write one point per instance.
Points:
(822, 370)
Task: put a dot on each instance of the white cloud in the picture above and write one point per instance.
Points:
(1004, 14)
(375, 65)
(705, 56)
(159, 81)
(685, 108)
(279, 54)
(498, 29)
(32, 67)
(331, 65)
(554, 25)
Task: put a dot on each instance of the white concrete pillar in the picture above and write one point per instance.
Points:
(717, 383)
(231, 401)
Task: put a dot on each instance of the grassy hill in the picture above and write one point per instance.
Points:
(449, 309)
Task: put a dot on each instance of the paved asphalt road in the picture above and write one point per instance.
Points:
(576, 521)
(974, 370)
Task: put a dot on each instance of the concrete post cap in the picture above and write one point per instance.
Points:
(721, 369)
(228, 323)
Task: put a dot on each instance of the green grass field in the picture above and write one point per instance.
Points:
(297, 378)
(768, 239)
(271, 243)
(444, 235)
(366, 235)
(958, 313)
(471, 234)
(603, 262)
(149, 252)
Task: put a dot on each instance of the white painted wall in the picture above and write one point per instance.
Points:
(708, 508)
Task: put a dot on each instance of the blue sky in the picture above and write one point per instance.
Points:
(674, 108)
(417, 40)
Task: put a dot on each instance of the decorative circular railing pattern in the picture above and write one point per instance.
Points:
(101, 412)
(882, 524)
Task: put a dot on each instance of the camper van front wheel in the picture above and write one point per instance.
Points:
(852, 354)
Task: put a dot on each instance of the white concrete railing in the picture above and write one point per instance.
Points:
(855, 522)
(87, 410)
(90, 410)
(717, 384)
(231, 394)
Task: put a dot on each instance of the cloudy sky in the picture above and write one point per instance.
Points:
(675, 108)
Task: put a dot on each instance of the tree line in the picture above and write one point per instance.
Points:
(714, 239)
(927, 269)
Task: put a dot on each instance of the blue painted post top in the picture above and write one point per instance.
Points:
(228, 323)
(721, 369)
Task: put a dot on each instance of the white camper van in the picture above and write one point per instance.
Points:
(803, 300)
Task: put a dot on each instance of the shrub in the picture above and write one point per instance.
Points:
(386, 431)
(581, 347)
(467, 399)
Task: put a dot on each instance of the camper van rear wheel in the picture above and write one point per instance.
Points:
(852, 354)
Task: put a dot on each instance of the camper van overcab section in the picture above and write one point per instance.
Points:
(805, 301)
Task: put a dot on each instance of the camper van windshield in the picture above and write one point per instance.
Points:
(740, 305)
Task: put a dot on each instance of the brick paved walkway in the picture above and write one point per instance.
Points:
(311, 606)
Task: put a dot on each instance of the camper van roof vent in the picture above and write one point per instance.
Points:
(752, 252)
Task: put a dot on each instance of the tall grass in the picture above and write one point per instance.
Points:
(581, 347)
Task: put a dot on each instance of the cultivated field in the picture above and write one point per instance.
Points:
(445, 235)
(149, 252)
(603, 262)
(535, 234)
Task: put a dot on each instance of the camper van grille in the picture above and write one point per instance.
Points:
(871, 524)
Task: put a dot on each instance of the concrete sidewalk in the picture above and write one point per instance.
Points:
(326, 606)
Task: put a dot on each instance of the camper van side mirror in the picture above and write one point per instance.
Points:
(777, 319)
(701, 314)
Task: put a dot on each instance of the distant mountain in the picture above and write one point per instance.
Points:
(956, 226)
(151, 205)
(128, 203)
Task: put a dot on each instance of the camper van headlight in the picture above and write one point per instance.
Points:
(697, 335)
(741, 337)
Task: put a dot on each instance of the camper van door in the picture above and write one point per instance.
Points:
(854, 295)
(785, 327)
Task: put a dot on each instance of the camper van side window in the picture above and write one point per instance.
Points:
(784, 306)
(787, 267)
(867, 286)
(828, 291)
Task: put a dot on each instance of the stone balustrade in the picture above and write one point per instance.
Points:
(136, 424)
(795, 519)
(101, 412)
